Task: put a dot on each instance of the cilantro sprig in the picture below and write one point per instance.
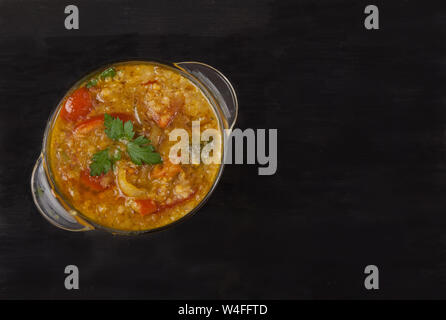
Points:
(102, 162)
(139, 150)
(115, 129)
(110, 72)
(91, 83)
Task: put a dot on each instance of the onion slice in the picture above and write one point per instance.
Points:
(126, 187)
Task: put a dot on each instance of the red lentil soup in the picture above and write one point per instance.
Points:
(109, 147)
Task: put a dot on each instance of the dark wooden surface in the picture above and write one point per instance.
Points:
(362, 155)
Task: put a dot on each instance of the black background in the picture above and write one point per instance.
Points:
(361, 172)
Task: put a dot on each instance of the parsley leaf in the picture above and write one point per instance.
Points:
(100, 163)
(128, 130)
(139, 150)
(91, 83)
(141, 140)
(140, 153)
(115, 129)
(110, 72)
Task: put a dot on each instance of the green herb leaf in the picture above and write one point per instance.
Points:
(114, 128)
(128, 130)
(142, 154)
(100, 163)
(139, 150)
(108, 119)
(141, 140)
(110, 72)
(91, 83)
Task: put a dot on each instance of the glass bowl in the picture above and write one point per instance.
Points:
(57, 209)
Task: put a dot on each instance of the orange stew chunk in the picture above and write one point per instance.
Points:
(167, 170)
(164, 115)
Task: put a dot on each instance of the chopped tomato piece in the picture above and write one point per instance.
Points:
(166, 170)
(123, 116)
(95, 183)
(88, 125)
(77, 105)
(92, 123)
(149, 82)
(146, 206)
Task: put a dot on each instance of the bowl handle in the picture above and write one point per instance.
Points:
(218, 84)
(49, 205)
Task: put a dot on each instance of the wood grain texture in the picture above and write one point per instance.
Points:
(361, 177)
